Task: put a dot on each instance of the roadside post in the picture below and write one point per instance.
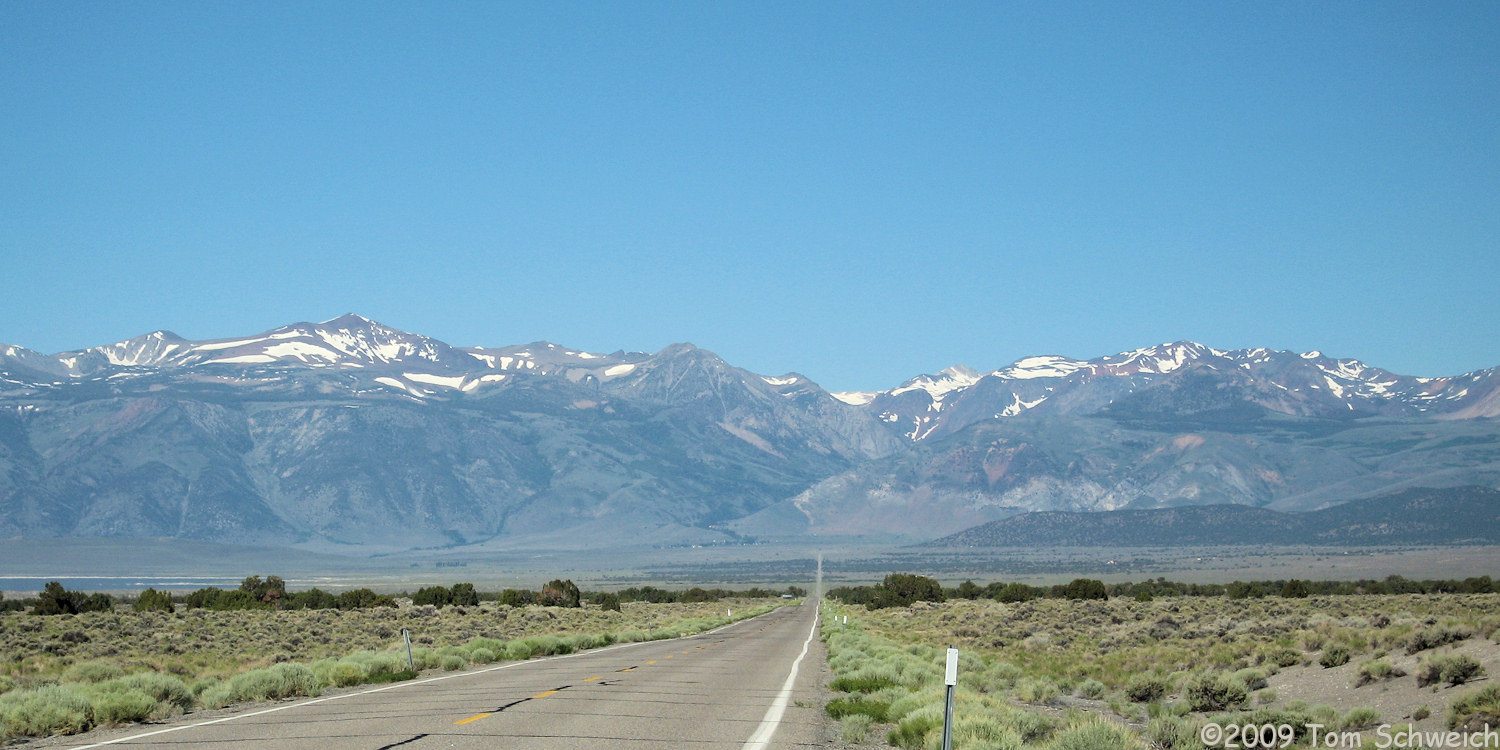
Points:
(406, 636)
(950, 678)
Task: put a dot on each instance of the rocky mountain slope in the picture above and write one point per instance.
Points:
(349, 433)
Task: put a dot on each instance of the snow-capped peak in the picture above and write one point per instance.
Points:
(951, 379)
(1048, 366)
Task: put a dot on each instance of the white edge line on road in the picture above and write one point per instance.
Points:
(413, 683)
(762, 736)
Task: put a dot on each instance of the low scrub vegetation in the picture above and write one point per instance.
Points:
(1040, 668)
(129, 662)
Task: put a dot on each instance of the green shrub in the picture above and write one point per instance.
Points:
(838, 708)
(1376, 670)
(1421, 713)
(1284, 657)
(1097, 735)
(168, 691)
(7, 684)
(481, 656)
(1037, 690)
(854, 684)
(1147, 688)
(346, 674)
(1472, 710)
(1423, 640)
(1335, 655)
(854, 728)
(1091, 688)
(912, 730)
(44, 711)
(1212, 691)
(1454, 669)
(114, 702)
(452, 663)
(1171, 733)
(274, 683)
(93, 671)
(1253, 678)
(981, 733)
(1359, 718)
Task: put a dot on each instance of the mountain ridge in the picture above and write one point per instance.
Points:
(351, 432)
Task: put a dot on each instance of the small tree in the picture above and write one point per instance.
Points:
(56, 600)
(1085, 588)
(969, 590)
(904, 589)
(152, 600)
(464, 595)
(1295, 589)
(437, 596)
(560, 593)
(607, 601)
(1016, 592)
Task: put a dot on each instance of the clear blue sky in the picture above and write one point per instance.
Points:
(857, 191)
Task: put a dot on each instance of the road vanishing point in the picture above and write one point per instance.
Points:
(750, 684)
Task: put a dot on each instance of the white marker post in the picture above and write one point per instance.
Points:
(950, 678)
(406, 636)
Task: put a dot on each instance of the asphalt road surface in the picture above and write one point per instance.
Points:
(730, 688)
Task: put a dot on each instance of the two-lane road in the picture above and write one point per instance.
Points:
(730, 688)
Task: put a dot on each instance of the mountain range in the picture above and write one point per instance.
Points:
(349, 434)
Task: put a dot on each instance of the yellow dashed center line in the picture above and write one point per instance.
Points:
(475, 717)
(653, 661)
(544, 695)
(670, 655)
(593, 679)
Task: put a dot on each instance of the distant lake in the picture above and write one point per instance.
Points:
(117, 583)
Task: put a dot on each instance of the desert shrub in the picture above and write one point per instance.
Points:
(981, 733)
(378, 665)
(1284, 656)
(1146, 688)
(1454, 669)
(44, 711)
(481, 656)
(274, 683)
(7, 683)
(169, 692)
(1421, 713)
(1434, 637)
(1254, 679)
(1472, 710)
(452, 662)
(838, 708)
(1171, 733)
(1090, 689)
(1096, 735)
(1265, 696)
(1376, 670)
(861, 684)
(1037, 690)
(854, 728)
(93, 671)
(912, 730)
(1335, 655)
(341, 673)
(152, 600)
(1213, 691)
(114, 702)
(1359, 718)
